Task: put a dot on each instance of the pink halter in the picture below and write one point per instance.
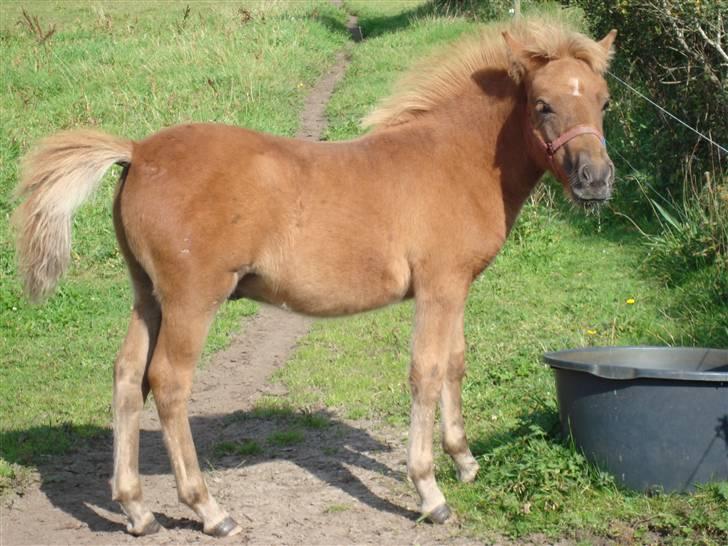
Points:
(550, 148)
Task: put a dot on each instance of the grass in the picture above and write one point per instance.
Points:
(271, 407)
(407, 31)
(286, 437)
(563, 280)
(128, 68)
(290, 424)
(244, 447)
(337, 508)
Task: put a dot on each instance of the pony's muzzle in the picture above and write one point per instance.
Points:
(593, 180)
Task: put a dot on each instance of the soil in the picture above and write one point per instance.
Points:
(337, 482)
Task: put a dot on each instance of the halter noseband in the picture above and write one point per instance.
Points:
(550, 148)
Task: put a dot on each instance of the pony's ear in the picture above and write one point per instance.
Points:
(521, 60)
(608, 40)
(516, 48)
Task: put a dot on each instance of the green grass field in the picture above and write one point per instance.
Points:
(129, 68)
(563, 279)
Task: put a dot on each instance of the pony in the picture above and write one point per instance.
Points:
(415, 208)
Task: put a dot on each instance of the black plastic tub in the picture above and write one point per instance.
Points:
(655, 418)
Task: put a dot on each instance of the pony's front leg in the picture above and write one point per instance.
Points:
(180, 343)
(436, 315)
(454, 441)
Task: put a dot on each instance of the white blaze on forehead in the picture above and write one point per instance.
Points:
(574, 84)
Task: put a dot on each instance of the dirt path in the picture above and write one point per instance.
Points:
(341, 483)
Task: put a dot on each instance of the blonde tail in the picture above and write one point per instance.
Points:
(58, 176)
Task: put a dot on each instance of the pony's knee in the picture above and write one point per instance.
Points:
(456, 367)
(128, 398)
(426, 381)
(420, 467)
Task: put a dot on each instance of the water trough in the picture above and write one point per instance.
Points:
(654, 417)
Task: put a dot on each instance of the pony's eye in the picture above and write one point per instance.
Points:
(543, 107)
(605, 107)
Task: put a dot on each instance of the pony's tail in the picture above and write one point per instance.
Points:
(58, 176)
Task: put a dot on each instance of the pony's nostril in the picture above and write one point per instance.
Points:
(585, 175)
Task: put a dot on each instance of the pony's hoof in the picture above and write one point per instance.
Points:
(226, 528)
(149, 528)
(440, 514)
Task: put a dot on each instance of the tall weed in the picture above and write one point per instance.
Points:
(693, 234)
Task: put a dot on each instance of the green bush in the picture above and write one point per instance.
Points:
(693, 235)
(672, 51)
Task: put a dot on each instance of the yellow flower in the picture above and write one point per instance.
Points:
(630, 301)
(591, 332)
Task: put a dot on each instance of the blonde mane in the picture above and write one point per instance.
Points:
(449, 72)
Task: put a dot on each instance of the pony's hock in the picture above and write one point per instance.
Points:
(418, 207)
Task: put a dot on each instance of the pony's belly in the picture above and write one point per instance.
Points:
(323, 292)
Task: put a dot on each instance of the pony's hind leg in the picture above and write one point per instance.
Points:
(437, 312)
(181, 338)
(130, 391)
(454, 441)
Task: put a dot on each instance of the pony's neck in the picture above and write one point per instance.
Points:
(493, 115)
(519, 173)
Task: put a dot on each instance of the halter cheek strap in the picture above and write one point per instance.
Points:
(550, 148)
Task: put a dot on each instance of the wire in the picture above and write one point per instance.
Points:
(653, 103)
(639, 179)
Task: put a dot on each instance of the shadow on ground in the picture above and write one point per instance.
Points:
(326, 447)
(377, 25)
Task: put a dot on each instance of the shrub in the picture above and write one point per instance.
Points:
(694, 233)
(673, 51)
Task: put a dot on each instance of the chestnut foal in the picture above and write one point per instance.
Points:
(417, 208)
